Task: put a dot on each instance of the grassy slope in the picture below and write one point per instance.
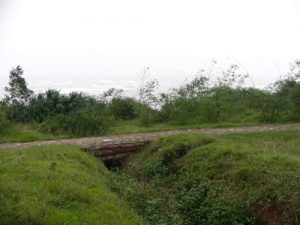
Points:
(233, 179)
(57, 185)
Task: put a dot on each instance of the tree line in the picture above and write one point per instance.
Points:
(211, 97)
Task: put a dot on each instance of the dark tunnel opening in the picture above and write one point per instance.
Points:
(113, 164)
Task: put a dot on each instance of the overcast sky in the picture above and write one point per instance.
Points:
(91, 45)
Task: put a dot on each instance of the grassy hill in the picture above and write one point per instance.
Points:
(184, 179)
(58, 185)
(233, 179)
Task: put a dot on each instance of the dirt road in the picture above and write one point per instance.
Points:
(96, 142)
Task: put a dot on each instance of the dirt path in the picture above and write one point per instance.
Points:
(96, 142)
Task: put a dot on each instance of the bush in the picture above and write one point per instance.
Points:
(123, 108)
(4, 122)
(52, 103)
(149, 116)
(89, 121)
(86, 122)
(53, 125)
(199, 203)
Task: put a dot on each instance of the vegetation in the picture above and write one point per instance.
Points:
(210, 99)
(25, 133)
(58, 185)
(4, 122)
(181, 179)
(184, 179)
(234, 179)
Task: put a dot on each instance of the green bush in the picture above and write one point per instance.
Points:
(4, 122)
(200, 203)
(123, 108)
(53, 125)
(89, 121)
(86, 122)
(148, 116)
(53, 103)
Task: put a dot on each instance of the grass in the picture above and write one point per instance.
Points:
(184, 179)
(233, 179)
(25, 133)
(58, 185)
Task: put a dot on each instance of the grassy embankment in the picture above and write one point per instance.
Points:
(58, 185)
(183, 179)
(234, 179)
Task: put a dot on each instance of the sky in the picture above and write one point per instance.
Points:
(93, 45)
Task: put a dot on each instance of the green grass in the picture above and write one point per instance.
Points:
(58, 185)
(25, 133)
(232, 179)
(184, 179)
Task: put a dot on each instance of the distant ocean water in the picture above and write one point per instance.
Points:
(92, 87)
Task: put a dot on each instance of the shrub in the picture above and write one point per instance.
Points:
(53, 125)
(52, 103)
(148, 116)
(200, 203)
(4, 122)
(86, 122)
(123, 108)
(89, 121)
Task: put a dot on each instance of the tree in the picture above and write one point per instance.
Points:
(18, 92)
(148, 89)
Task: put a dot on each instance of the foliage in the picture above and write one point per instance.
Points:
(148, 116)
(123, 108)
(212, 100)
(4, 122)
(199, 203)
(85, 122)
(25, 133)
(18, 92)
(233, 179)
(58, 185)
(52, 103)
(163, 154)
(110, 94)
(288, 90)
(214, 96)
(149, 100)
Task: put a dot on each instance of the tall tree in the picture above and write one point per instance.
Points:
(17, 91)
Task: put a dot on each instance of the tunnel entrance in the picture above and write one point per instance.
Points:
(113, 164)
(114, 155)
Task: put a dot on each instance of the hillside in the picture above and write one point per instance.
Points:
(183, 179)
(233, 179)
(58, 185)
